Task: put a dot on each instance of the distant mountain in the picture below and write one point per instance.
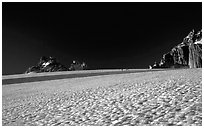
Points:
(47, 64)
(186, 54)
(50, 64)
(76, 65)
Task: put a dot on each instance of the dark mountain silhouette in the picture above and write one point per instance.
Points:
(76, 65)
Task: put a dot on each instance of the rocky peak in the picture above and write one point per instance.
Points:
(47, 64)
(186, 54)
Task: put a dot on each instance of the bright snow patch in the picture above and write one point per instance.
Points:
(198, 42)
(46, 64)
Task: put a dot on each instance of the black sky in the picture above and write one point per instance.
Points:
(104, 35)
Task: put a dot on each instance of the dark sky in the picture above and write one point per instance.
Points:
(104, 35)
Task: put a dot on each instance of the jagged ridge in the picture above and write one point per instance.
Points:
(50, 64)
(47, 64)
(186, 54)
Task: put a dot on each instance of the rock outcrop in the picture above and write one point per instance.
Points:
(47, 64)
(76, 65)
(186, 54)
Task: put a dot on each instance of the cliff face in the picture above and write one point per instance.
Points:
(195, 56)
(186, 54)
